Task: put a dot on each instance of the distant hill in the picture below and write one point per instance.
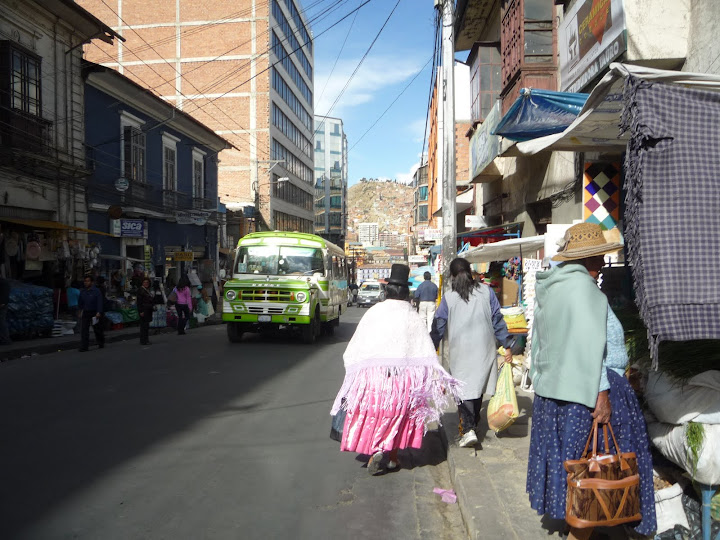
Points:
(387, 203)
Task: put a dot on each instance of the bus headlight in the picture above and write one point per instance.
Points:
(301, 296)
(231, 295)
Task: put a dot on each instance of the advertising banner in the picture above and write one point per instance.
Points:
(484, 147)
(590, 37)
(128, 228)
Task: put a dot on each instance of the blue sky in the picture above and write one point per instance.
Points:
(392, 148)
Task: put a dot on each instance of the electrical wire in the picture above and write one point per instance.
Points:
(392, 103)
(360, 63)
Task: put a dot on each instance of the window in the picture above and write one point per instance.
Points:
(24, 79)
(287, 222)
(485, 80)
(423, 193)
(336, 130)
(198, 170)
(287, 95)
(527, 36)
(422, 213)
(133, 147)
(169, 162)
(292, 194)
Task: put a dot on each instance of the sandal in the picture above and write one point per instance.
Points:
(376, 466)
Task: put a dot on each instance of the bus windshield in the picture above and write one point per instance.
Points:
(279, 260)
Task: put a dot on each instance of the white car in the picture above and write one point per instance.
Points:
(370, 293)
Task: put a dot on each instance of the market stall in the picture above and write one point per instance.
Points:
(664, 124)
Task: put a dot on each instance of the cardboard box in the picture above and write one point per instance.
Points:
(509, 292)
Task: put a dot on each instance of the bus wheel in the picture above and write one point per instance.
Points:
(329, 328)
(234, 333)
(311, 331)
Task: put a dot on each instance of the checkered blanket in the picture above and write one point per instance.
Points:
(672, 217)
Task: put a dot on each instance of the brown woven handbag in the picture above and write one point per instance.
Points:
(603, 489)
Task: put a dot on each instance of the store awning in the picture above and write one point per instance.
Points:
(462, 202)
(596, 129)
(537, 113)
(505, 249)
(43, 224)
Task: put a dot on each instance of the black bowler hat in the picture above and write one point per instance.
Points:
(399, 275)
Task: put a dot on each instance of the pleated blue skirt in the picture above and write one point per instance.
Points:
(559, 432)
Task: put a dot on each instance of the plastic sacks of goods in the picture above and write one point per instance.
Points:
(30, 310)
(675, 405)
(503, 408)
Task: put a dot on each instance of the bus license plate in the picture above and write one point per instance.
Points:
(264, 318)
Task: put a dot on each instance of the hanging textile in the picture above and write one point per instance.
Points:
(672, 217)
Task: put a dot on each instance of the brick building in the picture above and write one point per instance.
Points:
(245, 69)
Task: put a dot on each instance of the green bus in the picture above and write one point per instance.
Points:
(285, 280)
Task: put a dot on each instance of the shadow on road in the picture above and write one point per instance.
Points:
(68, 419)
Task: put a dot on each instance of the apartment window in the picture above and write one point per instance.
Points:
(485, 79)
(422, 213)
(198, 160)
(336, 130)
(169, 162)
(526, 35)
(133, 147)
(423, 193)
(21, 70)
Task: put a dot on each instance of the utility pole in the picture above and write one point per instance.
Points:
(449, 240)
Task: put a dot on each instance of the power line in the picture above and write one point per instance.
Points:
(357, 68)
(392, 103)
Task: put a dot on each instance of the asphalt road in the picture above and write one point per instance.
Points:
(196, 438)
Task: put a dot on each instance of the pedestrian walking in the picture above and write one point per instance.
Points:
(184, 303)
(90, 304)
(73, 295)
(471, 314)
(394, 385)
(578, 364)
(426, 298)
(145, 304)
(4, 301)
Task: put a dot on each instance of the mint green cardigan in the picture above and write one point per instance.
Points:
(569, 335)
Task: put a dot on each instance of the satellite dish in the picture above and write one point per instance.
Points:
(115, 212)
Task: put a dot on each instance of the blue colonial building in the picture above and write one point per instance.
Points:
(153, 182)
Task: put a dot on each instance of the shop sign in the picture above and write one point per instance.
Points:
(129, 228)
(199, 217)
(590, 37)
(183, 218)
(148, 259)
(432, 234)
(484, 146)
(122, 184)
(417, 259)
(474, 222)
(192, 217)
(183, 256)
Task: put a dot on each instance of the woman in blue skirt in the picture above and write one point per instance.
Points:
(578, 365)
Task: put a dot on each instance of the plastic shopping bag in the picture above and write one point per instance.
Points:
(503, 408)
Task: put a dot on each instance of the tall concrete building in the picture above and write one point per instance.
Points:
(331, 179)
(368, 234)
(245, 69)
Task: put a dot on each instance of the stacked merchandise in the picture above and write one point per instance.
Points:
(30, 310)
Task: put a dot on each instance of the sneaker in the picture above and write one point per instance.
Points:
(469, 439)
(375, 466)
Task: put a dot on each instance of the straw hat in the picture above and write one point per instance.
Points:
(585, 240)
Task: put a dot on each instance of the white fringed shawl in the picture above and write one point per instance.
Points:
(392, 339)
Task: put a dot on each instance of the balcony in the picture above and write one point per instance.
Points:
(200, 203)
(21, 131)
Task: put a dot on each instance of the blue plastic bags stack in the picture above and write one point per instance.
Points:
(30, 311)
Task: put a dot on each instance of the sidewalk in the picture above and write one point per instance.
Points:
(32, 347)
(489, 480)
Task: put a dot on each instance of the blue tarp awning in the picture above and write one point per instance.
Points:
(537, 113)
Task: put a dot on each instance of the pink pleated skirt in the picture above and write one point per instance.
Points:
(370, 428)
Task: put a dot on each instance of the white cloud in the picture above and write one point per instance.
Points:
(417, 130)
(407, 177)
(375, 74)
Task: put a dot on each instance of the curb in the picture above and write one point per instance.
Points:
(47, 346)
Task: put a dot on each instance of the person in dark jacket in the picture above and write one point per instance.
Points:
(91, 313)
(145, 303)
(4, 301)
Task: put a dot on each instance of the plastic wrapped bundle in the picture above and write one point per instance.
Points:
(30, 310)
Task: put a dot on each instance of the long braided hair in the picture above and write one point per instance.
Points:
(462, 279)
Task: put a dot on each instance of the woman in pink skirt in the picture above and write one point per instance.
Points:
(394, 385)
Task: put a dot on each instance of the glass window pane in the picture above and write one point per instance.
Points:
(538, 43)
(538, 9)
